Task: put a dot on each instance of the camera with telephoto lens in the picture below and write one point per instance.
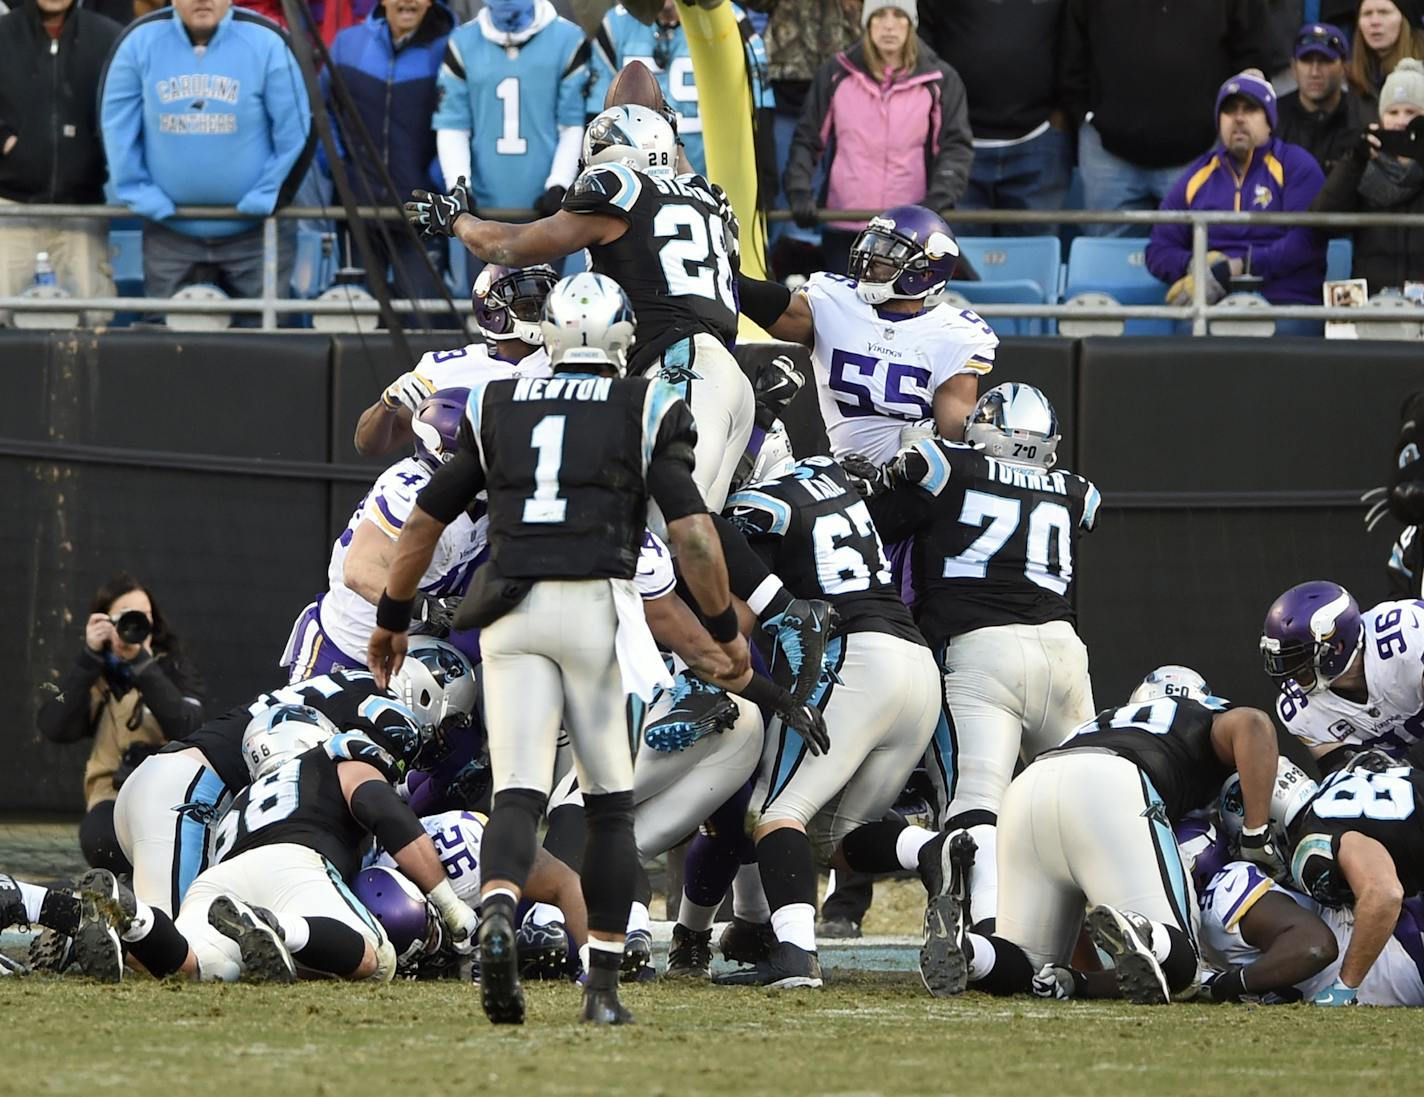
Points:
(133, 626)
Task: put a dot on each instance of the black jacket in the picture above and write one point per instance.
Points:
(171, 687)
(1386, 256)
(1326, 136)
(1149, 71)
(1005, 51)
(49, 98)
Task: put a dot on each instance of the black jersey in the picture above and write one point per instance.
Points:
(672, 262)
(1387, 806)
(994, 541)
(344, 697)
(1169, 739)
(301, 803)
(564, 460)
(816, 533)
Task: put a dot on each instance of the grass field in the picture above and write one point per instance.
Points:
(864, 1034)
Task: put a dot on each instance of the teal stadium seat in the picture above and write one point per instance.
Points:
(1116, 266)
(1339, 258)
(1015, 270)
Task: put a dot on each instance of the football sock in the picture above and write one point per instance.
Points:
(873, 847)
(1173, 950)
(332, 946)
(512, 835)
(639, 917)
(908, 844)
(748, 899)
(998, 966)
(498, 901)
(796, 925)
(296, 931)
(788, 875)
(160, 948)
(605, 958)
(611, 858)
(695, 916)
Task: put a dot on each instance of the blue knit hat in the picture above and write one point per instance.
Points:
(1256, 88)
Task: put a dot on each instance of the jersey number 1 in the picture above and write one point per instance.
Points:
(510, 143)
(547, 440)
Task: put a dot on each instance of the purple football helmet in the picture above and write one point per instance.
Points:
(907, 253)
(509, 302)
(410, 922)
(1311, 635)
(436, 424)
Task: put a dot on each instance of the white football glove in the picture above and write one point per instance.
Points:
(407, 391)
(918, 431)
(1054, 981)
(459, 917)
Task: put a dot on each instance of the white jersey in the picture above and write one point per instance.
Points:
(655, 576)
(457, 836)
(1392, 718)
(467, 367)
(875, 374)
(1394, 980)
(346, 617)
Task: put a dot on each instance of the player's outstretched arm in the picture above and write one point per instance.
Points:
(1294, 944)
(413, 553)
(784, 315)
(953, 401)
(1374, 881)
(540, 241)
(1245, 738)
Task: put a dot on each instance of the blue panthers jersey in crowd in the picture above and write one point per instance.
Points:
(512, 100)
(622, 38)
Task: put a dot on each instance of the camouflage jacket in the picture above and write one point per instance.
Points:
(802, 35)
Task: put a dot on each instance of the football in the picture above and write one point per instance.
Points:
(635, 83)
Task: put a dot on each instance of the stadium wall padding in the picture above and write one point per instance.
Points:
(218, 468)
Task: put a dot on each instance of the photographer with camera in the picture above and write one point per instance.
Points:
(131, 690)
(1383, 173)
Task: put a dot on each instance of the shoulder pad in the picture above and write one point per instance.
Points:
(938, 466)
(758, 513)
(824, 284)
(602, 186)
(1233, 891)
(385, 712)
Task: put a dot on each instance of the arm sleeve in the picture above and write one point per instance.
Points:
(1298, 246)
(806, 145)
(289, 118)
(121, 113)
(1074, 63)
(376, 807)
(669, 477)
(566, 157)
(455, 483)
(949, 169)
(452, 147)
(65, 717)
(172, 693)
(1169, 251)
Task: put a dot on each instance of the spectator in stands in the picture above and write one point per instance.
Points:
(1321, 116)
(511, 105)
(130, 690)
(893, 122)
(51, 55)
(1386, 31)
(203, 105)
(1023, 151)
(389, 65)
(663, 48)
(801, 36)
(1135, 77)
(1250, 170)
(1369, 180)
(329, 17)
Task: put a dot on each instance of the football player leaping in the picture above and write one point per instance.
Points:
(663, 238)
(1349, 681)
(883, 360)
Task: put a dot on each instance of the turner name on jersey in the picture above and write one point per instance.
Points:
(672, 262)
(816, 533)
(1391, 718)
(875, 373)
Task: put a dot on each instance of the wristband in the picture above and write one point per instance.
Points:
(723, 626)
(393, 614)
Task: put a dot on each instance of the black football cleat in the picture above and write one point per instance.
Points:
(543, 951)
(744, 942)
(51, 952)
(500, 993)
(107, 908)
(944, 868)
(801, 631)
(602, 1007)
(698, 710)
(637, 964)
(837, 928)
(1127, 937)
(265, 958)
(788, 967)
(690, 956)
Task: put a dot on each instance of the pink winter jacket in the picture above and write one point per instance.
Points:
(906, 139)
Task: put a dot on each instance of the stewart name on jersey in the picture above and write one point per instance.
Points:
(994, 541)
(814, 531)
(672, 262)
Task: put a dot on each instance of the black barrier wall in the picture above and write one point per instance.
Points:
(219, 468)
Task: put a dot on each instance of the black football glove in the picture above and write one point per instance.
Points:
(730, 223)
(868, 478)
(803, 212)
(807, 720)
(1258, 847)
(776, 383)
(435, 214)
(550, 202)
